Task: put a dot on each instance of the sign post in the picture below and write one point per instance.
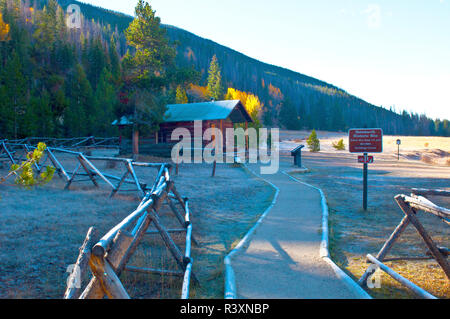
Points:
(365, 174)
(399, 142)
(365, 141)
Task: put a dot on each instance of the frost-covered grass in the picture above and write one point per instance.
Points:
(41, 229)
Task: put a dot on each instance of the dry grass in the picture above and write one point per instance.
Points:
(354, 233)
(418, 272)
(426, 159)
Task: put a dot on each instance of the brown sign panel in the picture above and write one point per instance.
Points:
(365, 140)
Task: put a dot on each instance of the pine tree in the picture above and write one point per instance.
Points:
(45, 32)
(145, 72)
(181, 97)
(317, 118)
(40, 116)
(267, 117)
(16, 89)
(337, 118)
(105, 101)
(214, 88)
(313, 142)
(289, 117)
(114, 59)
(6, 124)
(97, 61)
(79, 119)
(153, 54)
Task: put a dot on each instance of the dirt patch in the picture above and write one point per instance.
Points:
(42, 229)
(432, 157)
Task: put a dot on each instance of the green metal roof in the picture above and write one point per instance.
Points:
(217, 110)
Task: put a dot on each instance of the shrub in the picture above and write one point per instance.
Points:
(339, 146)
(24, 173)
(313, 142)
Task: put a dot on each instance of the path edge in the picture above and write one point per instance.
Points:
(230, 278)
(324, 251)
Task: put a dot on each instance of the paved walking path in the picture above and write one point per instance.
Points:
(282, 260)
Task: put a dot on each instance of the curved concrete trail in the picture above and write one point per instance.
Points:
(282, 260)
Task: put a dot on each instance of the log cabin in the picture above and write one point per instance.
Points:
(214, 114)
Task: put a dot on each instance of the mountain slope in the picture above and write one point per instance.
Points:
(320, 105)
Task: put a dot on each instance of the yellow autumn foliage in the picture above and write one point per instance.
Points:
(275, 92)
(250, 101)
(181, 97)
(198, 91)
(4, 30)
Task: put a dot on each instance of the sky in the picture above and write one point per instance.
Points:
(389, 53)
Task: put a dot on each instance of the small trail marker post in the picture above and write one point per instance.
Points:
(365, 141)
(399, 142)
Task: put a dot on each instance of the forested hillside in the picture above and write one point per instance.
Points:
(56, 81)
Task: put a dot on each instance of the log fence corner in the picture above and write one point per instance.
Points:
(410, 205)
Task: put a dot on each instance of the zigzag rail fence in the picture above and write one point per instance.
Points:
(418, 201)
(15, 152)
(71, 143)
(109, 257)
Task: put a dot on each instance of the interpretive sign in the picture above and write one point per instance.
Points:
(365, 140)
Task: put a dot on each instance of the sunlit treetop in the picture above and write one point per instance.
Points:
(4, 30)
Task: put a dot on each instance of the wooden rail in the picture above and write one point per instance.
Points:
(430, 192)
(85, 168)
(72, 143)
(410, 205)
(187, 254)
(111, 254)
(413, 287)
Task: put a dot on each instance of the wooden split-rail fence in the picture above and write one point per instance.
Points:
(410, 205)
(72, 143)
(108, 257)
(16, 152)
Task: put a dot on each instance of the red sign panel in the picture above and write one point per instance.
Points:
(365, 159)
(366, 140)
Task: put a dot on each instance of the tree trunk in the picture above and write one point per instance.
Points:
(135, 143)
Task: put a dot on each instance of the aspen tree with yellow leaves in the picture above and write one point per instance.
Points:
(250, 101)
(181, 97)
(4, 30)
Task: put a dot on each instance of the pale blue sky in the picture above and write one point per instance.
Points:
(393, 52)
